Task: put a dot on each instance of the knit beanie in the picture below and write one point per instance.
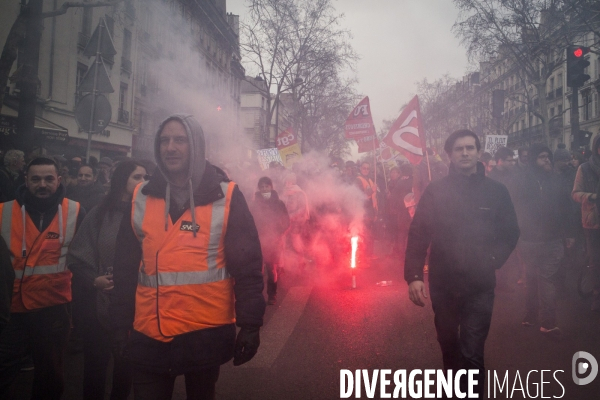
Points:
(561, 153)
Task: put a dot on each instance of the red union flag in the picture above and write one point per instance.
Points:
(286, 138)
(360, 122)
(406, 135)
(365, 144)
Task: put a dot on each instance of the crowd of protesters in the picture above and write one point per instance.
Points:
(298, 220)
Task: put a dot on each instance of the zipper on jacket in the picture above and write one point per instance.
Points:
(41, 221)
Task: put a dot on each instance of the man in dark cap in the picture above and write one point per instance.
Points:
(547, 221)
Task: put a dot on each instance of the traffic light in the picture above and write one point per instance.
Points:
(576, 64)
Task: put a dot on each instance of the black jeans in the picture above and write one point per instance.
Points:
(151, 386)
(97, 349)
(462, 323)
(542, 261)
(43, 334)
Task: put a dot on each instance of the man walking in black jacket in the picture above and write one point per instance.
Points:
(470, 223)
(546, 218)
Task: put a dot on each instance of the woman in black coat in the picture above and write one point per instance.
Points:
(272, 220)
(91, 257)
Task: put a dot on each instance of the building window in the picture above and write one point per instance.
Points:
(587, 105)
(81, 71)
(560, 108)
(110, 24)
(123, 114)
(127, 44)
(551, 112)
(86, 21)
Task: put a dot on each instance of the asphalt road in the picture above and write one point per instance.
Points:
(320, 326)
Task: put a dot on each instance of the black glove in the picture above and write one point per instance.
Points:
(246, 345)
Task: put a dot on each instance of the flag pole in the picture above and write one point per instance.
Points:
(375, 161)
(428, 165)
(384, 177)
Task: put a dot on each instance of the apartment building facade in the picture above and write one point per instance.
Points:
(172, 56)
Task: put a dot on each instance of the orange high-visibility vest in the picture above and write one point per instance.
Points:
(183, 284)
(38, 258)
(366, 184)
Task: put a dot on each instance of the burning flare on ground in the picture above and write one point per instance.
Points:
(354, 242)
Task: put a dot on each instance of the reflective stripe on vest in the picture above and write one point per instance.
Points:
(41, 276)
(368, 183)
(183, 278)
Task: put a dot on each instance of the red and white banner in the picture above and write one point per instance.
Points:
(406, 135)
(360, 122)
(365, 144)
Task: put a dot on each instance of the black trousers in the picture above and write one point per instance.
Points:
(152, 386)
(97, 350)
(43, 334)
(462, 323)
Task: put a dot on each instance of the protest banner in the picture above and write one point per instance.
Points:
(406, 135)
(289, 148)
(494, 142)
(266, 156)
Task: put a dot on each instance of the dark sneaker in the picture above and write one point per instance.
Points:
(551, 332)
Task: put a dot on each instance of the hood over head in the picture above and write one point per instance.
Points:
(197, 148)
(197, 164)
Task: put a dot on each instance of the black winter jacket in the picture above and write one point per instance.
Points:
(42, 211)
(272, 220)
(543, 205)
(204, 348)
(471, 225)
(88, 196)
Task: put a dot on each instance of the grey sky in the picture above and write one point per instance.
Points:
(400, 42)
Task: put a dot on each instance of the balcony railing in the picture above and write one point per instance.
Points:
(550, 95)
(123, 116)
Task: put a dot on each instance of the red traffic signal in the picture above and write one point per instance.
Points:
(576, 64)
(580, 51)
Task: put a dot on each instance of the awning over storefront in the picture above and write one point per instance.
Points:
(44, 129)
(100, 145)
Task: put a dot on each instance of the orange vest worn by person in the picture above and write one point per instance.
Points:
(368, 183)
(38, 258)
(183, 284)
